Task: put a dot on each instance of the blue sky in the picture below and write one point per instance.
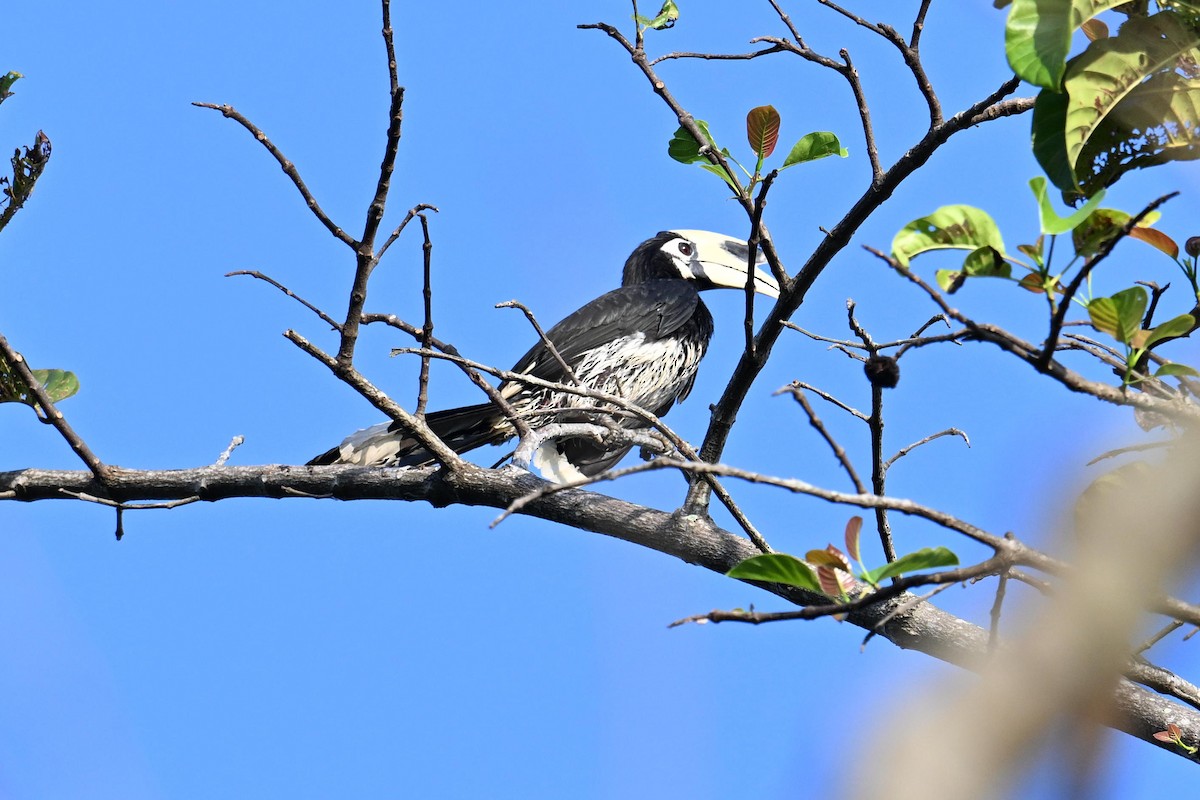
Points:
(316, 649)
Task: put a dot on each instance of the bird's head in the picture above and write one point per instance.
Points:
(713, 260)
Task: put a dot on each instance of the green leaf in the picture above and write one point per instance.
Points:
(1120, 316)
(1034, 251)
(1109, 71)
(762, 130)
(684, 148)
(949, 280)
(986, 262)
(926, 558)
(812, 146)
(667, 15)
(1037, 36)
(1171, 329)
(1051, 222)
(1158, 122)
(1172, 368)
(777, 568)
(58, 384)
(6, 82)
(1050, 141)
(1106, 223)
(719, 171)
(962, 227)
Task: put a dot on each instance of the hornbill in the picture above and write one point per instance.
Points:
(642, 342)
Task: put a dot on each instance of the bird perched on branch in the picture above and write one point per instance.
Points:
(642, 342)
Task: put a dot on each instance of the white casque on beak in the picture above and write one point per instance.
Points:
(721, 260)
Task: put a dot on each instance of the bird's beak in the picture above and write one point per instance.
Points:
(723, 261)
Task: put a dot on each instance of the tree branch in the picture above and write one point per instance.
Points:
(695, 540)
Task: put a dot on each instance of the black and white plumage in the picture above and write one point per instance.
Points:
(642, 342)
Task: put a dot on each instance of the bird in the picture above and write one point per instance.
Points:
(642, 342)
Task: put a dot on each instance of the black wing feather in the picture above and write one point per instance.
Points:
(655, 308)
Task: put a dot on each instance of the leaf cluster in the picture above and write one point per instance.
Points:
(830, 572)
(1131, 99)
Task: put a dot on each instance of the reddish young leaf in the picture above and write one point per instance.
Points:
(1173, 729)
(1164, 736)
(853, 529)
(1033, 283)
(762, 130)
(834, 582)
(823, 558)
(843, 562)
(1156, 238)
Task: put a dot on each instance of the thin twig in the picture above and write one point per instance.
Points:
(838, 451)
(389, 45)
(395, 234)
(881, 595)
(787, 21)
(876, 424)
(1166, 631)
(427, 328)
(753, 243)
(51, 415)
(997, 607)
(289, 169)
(864, 114)
(337, 326)
(1173, 408)
(1133, 448)
(228, 451)
(546, 342)
(903, 451)
(719, 56)
(1056, 323)
(648, 418)
(795, 386)
(355, 380)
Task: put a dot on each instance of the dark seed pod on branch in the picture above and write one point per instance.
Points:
(1192, 247)
(882, 371)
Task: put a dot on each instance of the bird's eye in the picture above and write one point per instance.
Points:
(685, 248)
